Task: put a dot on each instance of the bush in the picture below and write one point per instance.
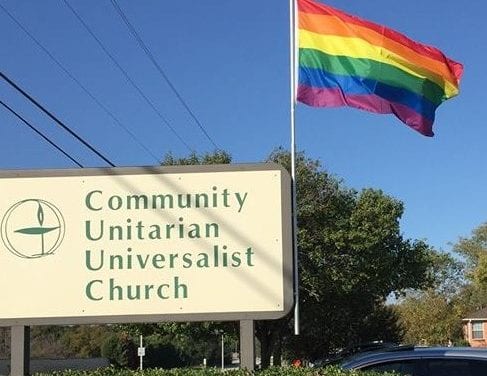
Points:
(276, 371)
(120, 351)
(160, 353)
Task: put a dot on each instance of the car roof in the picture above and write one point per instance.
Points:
(410, 352)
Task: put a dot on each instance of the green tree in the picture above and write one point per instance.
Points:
(56, 341)
(85, 340)
(352, 256)
(120, 350)
(217, 157)
(46, 341)
(474, 252)
(430, 318)
(382, 324)
(434, 316)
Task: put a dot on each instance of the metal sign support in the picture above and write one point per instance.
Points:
(247, 345)
(20, 350)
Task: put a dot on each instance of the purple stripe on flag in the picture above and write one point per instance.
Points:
(334, 97)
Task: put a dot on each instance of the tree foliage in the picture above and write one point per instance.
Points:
(435, 316)
(120, 350)
(54, 341)
(430, 319)
(352, 256)
(217, 157)
(474, 250)
(191, 341)
(85, 340)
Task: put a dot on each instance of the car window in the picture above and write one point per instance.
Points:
(457, 367)
(402, 367)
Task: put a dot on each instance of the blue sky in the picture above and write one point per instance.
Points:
(229, 61)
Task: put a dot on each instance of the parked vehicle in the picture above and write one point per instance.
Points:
(422, 361)
(339, 356)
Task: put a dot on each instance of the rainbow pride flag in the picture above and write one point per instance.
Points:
(347, 61)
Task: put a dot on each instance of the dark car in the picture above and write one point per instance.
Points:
(422, 361)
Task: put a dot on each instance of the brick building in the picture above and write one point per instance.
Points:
(475, 328)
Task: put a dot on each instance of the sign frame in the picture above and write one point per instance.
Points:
(286, 231)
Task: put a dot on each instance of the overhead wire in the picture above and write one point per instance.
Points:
(70, 75)
(126, 75)
(151, 57)
(53, 117)
(27, 123)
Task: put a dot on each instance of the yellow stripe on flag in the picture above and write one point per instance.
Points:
(359, 48)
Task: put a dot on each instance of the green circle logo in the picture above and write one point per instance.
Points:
(32, 228)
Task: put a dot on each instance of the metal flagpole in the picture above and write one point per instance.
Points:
(293, 75)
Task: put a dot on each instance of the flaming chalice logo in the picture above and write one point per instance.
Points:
(32, 228)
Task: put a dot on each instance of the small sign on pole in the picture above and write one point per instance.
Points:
(141, 353)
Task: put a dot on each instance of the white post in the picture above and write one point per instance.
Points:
(223, 353)
(141, 353)
(293, 83)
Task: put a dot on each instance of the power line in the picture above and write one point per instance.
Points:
(18, 116)
(127, 77)
(59, 122)
(70, 75)
(151, 57)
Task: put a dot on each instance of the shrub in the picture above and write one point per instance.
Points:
(120, 351)
(276, 371)
(160, 353)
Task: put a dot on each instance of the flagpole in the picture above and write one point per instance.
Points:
(293, 84)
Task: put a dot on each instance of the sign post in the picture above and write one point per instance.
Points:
(247, 345)
(141, 353)
(20, 350)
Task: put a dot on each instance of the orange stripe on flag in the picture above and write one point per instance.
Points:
(332, 25)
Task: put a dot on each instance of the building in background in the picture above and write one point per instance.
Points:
(475, 328)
